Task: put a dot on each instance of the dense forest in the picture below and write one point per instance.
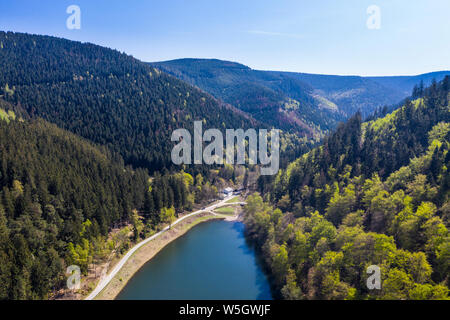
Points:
(375, 193)
(364, 94)
(273, 98)
(300, 102)
(60, 196)
(114, 100)
(106, 96)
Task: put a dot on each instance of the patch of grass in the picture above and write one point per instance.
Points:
(199, 220)
(225, 210)
(234, 199)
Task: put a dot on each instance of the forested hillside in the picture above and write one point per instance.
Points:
(60, 196)
(365, 94)
(272, 98)
(53, 185)
(404, 84)
(294, 100)
(375, 193)
(105, 96)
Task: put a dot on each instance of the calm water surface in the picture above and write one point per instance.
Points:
(211, 261)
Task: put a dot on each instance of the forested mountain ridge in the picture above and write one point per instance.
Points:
(105, 96)
(272, 98)
(404, 84)
(366, 94)
(281, 97)
(375, 193)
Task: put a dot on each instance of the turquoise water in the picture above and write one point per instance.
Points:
(211, 261)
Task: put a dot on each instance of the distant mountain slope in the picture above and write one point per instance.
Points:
(405, 84)
(352, 93)
(105, 96)
(273, 98)
(284, 97)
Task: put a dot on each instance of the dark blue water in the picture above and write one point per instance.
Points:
(211, 261)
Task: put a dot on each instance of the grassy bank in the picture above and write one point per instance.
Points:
(226, 210)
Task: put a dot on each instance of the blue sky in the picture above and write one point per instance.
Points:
(324, 36)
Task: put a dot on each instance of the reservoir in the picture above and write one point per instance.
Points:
(211, 261)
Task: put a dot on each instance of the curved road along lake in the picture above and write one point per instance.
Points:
(211, 261)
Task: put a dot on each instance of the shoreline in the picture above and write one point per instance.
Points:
(146, 253)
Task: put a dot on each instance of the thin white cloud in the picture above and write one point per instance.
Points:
(276, 34)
